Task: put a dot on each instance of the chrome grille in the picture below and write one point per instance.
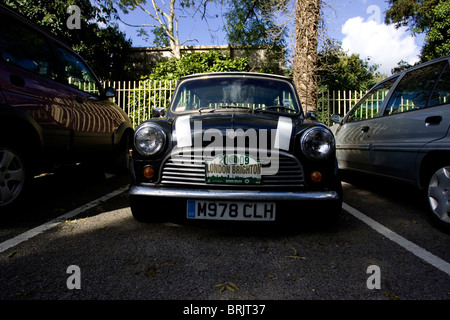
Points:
(190, 170)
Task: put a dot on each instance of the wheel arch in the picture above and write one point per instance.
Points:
(432, 161)
(22, 129)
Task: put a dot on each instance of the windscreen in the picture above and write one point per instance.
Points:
(236, 93)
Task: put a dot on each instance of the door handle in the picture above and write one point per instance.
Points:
(433, 120)
(365, 129)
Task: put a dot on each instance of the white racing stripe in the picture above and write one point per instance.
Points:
(401, 241)
(40, 229)
(283, 134)
(183, 132)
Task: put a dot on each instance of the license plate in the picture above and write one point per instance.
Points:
(233, 168)
(231, 210)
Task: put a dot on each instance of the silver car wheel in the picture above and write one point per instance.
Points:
(12, 176)
(439, 194)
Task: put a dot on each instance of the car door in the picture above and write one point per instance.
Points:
(408, 123)
(30, 82)
(354, 135)
(94, 120)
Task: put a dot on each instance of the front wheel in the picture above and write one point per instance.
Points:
(439, 196)
(12, 177)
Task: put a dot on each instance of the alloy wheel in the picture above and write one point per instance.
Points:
(439, 194)
(12, 176)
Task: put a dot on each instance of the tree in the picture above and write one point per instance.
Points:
(164, 20)
(98, 39)
(259, 25)
(424, 16)
(339, 71)
(256, 22)
(307, 20)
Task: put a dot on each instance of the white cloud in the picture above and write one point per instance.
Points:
(382, 43)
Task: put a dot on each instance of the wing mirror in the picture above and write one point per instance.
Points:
(311, 115)
(336, 118)
(110, 93)
(159, 112)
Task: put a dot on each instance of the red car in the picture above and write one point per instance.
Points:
(45, 119)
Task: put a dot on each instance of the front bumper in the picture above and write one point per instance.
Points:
(168, 204)
(234, 194)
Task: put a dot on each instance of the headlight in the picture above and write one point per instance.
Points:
(149, 139)
(317, 143)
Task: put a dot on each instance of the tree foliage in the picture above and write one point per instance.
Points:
(98, 39)
(340, 71)
(199, 62)
(256, 22)
(424, 16)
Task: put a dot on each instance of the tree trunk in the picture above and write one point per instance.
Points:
(176, 49)
(305, 59)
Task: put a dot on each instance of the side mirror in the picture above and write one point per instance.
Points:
(311, 115)
(110, 93)
(336, 118)
(159, 112)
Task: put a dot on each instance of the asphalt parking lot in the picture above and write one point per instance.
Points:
(77, 240)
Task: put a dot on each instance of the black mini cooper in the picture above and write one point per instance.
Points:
(234, 146)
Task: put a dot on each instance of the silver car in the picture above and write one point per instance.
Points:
(400, 129)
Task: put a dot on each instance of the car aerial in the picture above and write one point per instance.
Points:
(45, 118)
(234, 146)
(400, 130)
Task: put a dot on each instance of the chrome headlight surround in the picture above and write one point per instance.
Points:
(149, 139)
(317, 143)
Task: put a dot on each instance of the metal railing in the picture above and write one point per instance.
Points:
(138, 98)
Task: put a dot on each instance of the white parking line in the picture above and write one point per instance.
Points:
(408, 245)
(40, 229)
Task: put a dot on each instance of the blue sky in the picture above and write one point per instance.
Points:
(358, 24)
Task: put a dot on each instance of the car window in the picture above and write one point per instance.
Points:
(237, 93)
(441, 94)
(371, 103)
(414, 89)
(25, 48)
(76, 73)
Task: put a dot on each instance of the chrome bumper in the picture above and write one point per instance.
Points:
(234, 194)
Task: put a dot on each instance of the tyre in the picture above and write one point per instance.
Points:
(120, 163)
(13, 177)
(438, 193)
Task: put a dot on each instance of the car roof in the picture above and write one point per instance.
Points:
(240, 74)
(418, 66)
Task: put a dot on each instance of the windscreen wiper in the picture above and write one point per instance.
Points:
(270, 109)
(231, 106)
(208, 109)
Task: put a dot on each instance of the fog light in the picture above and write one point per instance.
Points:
(316, 176)
(149, 172)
